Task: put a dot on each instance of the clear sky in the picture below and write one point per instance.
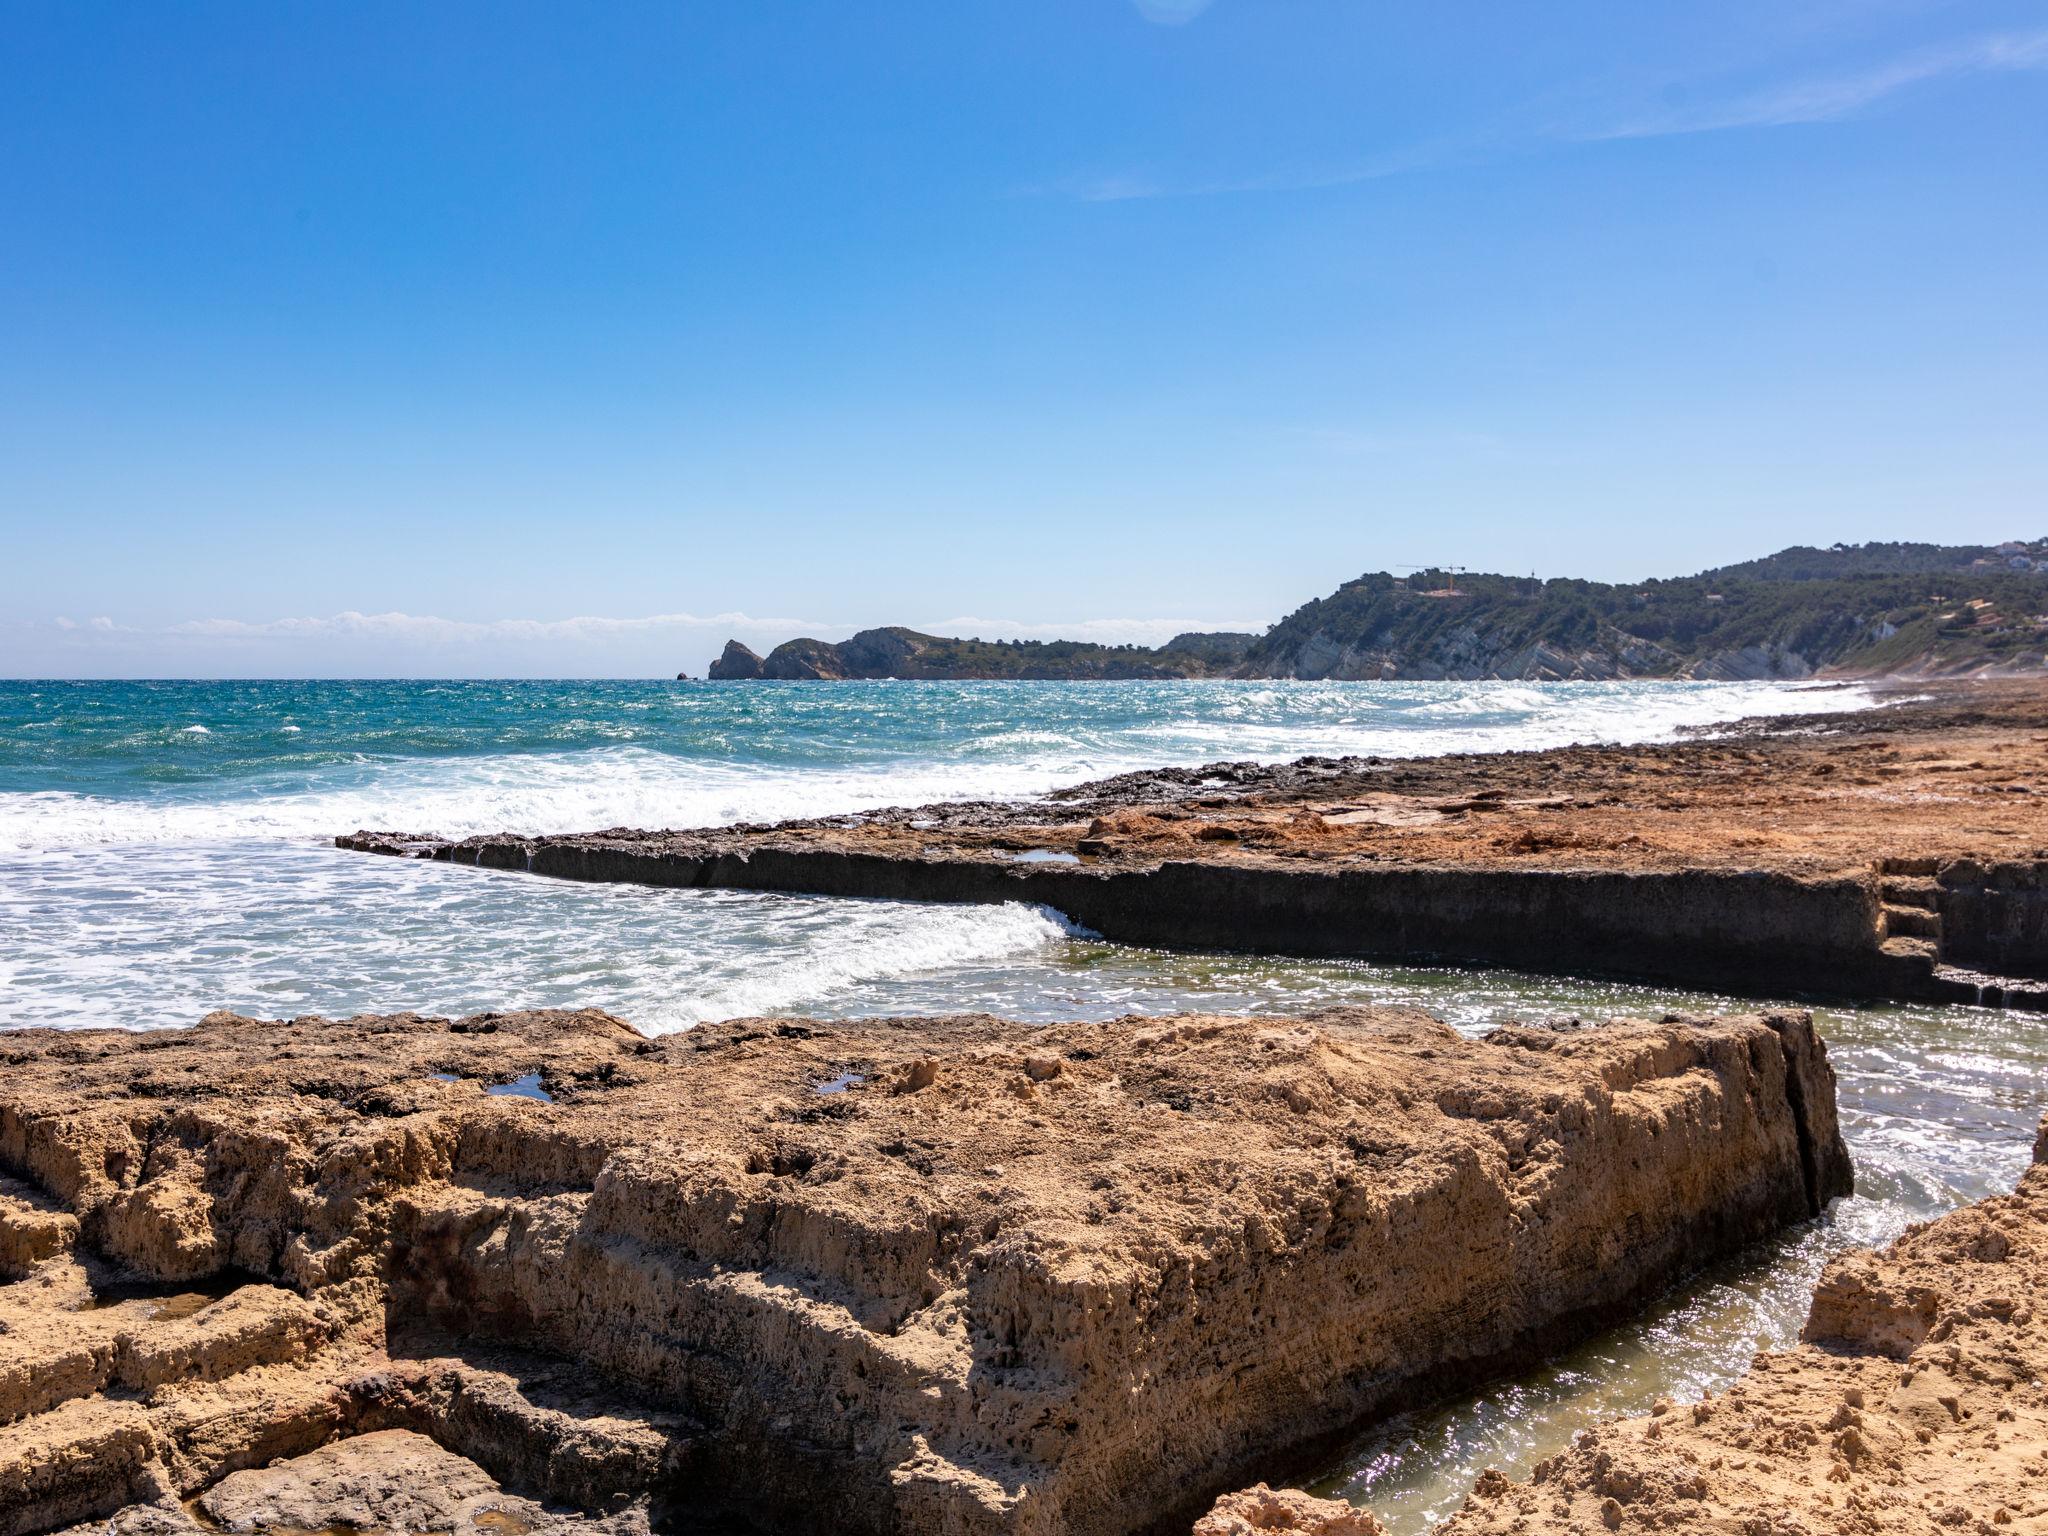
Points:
(512, 338)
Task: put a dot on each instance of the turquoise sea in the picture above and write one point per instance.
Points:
(165, 850)
(166, 843)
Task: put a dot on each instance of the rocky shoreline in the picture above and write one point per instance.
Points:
(535, 1272)
(1896, 853)
(1915, 1403)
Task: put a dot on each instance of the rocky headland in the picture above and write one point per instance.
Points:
(536, 1273)
(1870, 610)
(907, 654)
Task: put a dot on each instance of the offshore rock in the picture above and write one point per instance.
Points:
(735, 663)
(931, 1276)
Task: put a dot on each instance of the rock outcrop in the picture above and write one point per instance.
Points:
(1915, 1404)
(1890, 853)
(806, 661)
(896, 652)
(928, 1276)
(735, 663)
(1253, 1510)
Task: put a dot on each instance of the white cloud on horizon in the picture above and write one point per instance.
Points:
(406, 644)
(429, 629)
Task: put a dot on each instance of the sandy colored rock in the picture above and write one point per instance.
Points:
(389, 1480)
(1915, 1404)
(1940, 770)
(1900, 852)
(1252, 1510)
(1075, 1279)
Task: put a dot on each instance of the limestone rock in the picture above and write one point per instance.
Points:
(1067, 1281)
(808, 660)
(1257, 1509)
(1915, 1405)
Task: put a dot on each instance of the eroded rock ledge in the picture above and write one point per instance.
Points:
(947, 1275)
(1916, 1404)
(1897, 853)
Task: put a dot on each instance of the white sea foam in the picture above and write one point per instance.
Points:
(149, 935)
(587, 789)
(537, 792)
(870, 942)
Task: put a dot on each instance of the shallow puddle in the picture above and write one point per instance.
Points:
(169, 1300)
(523, 1087)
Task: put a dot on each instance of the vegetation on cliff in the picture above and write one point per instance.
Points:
(906, 653)
(1863, 609)
(1434, 625)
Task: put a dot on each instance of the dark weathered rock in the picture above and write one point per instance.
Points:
(735, 663)
(805, 660)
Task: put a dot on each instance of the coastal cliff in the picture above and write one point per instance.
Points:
(905, 653)
(1865, 610)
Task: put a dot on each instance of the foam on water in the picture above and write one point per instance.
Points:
(153, 868)
(536, 792)
(462, 758)
(150, 873)
(151, 935)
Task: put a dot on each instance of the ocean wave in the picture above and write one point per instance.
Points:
(156, 935)
(533, 792)
(869, 943)
(702, 782)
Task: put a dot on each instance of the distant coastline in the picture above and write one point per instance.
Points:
(1867, 610)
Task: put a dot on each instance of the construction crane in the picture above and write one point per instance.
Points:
(1455, 571)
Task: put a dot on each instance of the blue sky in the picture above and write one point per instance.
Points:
(536, 339)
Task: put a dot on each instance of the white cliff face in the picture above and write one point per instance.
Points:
(1752, 664)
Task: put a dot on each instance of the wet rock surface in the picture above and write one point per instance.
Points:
(1916, 1403)
(1899, 853)
(312, 1274)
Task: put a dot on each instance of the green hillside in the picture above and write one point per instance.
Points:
(1863, 609)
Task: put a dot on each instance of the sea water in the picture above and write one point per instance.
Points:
(165, 850)
(166, 847)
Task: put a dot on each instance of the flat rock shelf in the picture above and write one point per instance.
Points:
(937, 1275)
(1897, 853)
